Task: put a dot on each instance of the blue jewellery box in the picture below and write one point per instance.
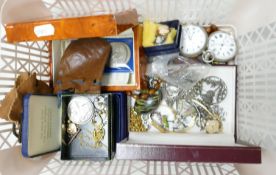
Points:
(123, 53)
(82, 126)
(40, 125)
(121, 113)
(166, 48)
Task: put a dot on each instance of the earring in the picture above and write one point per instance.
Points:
(159, 122)
(72, 130)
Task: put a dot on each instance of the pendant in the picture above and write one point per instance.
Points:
(213, 126)
(211, 90)
(98, 135)
(148, 102)
(99, 103)
(171, 94)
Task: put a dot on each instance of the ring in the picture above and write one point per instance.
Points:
(207, 57)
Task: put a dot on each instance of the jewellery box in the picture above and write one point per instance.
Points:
(166, 48)
(82, 126)
(40, 125)
(121, 69)
(198, 125)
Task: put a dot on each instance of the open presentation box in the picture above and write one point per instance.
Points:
(125, 75)
(53, 123)
(193, 145)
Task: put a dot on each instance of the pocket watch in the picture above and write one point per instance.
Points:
(193, 40)
(80, 110)
(222, 45)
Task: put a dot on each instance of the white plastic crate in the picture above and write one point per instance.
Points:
(255, 22)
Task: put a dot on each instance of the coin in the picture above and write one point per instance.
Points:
(120, 54)
(80, 110)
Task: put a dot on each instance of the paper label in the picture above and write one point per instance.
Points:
(46, 124)
(44, 30)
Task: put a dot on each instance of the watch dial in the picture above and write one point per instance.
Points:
(194, 40)
(222, 45)
(80, 110)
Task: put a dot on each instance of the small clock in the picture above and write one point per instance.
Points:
(80, 110)
(222, 45)
(193, 40)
